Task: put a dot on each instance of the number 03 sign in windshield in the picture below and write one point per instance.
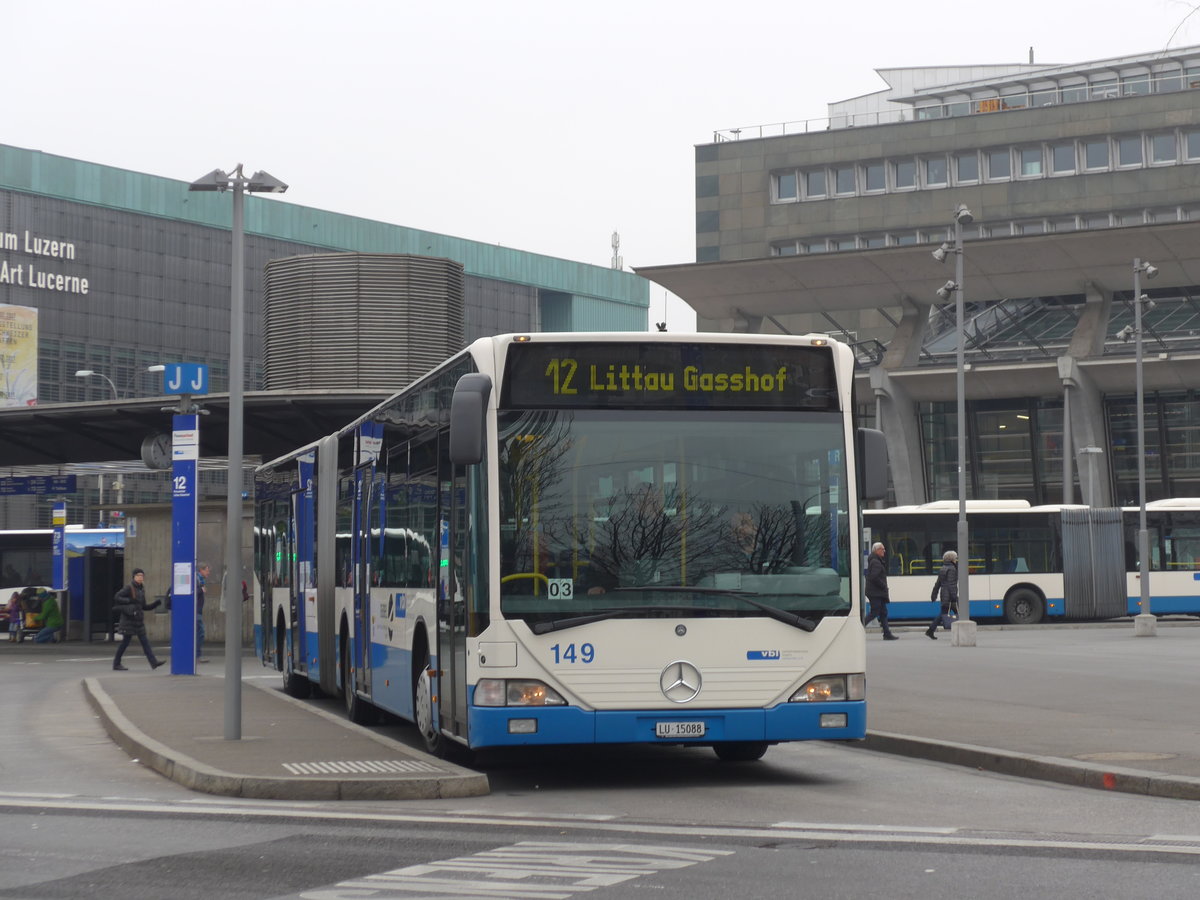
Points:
(668, 376)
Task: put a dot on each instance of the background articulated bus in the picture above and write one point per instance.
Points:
(1029, 563)
(575, 539)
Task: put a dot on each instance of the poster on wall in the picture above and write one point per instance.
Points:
(18, 355)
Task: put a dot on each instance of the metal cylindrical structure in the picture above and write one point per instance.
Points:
(359, 320)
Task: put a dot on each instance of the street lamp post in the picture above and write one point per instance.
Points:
(1144, 623)
(963, 633)
(259, 182)
(85, 373)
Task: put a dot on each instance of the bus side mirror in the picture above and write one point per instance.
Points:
(872, 469)
(467, 407)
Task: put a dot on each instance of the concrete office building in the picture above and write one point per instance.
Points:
(113, 271)
(1071, 172)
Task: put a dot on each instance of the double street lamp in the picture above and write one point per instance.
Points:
(259, 182)
(963, 632)
(1144, 623)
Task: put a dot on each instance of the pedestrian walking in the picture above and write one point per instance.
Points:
(877, 590)
(130, 602)
(945, 593)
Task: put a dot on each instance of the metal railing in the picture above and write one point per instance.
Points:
(999, 102)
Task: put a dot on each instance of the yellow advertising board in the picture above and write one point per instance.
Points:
(18, 355)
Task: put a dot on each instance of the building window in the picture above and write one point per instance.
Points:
(1032, 227)
(843, 179)
(814, 183)
(813, 247)
(1191, 144)
(999, 165)
(1163, 148)
(1095, 154)
(905, 171)
(1031, 161)
(1136, 84)
(1074, 93)
(1064, 224)
(966, 167)
(1099, 220)
(786, 187)
(1129, 151)
(873, 177)
(1103, 88)
(935, 170)
(904, 238)
(788, 249)
(873, 241)
(1046, 97)
(842, 243)
(1062, 158)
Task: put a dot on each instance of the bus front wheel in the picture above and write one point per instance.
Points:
(1023, 607)
(740, 751)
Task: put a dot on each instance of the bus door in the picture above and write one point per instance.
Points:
(302, 594)
(367, 528)
(452, 618)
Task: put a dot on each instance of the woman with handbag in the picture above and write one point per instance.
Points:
(945, 590)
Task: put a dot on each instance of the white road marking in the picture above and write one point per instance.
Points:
(537, 870)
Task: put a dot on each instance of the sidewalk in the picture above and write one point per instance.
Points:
(289, 749)
(1086, 705)
(1089, 705)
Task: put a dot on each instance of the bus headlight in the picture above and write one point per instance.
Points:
(832, 688)
(513, 692)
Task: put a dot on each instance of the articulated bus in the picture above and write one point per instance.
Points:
(1033, 562)
(583, 538)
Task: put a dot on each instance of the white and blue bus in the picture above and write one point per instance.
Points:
(1029, 563)
(584, 538)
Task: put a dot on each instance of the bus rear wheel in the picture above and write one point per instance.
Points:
(740, 751)
(423, 711)
(358, 710)
(1023, 607)
(294, 684)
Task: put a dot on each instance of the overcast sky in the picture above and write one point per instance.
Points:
(542, 125)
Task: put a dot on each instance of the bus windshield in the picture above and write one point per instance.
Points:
(672, 513)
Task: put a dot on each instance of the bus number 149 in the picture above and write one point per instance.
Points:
(568, 654)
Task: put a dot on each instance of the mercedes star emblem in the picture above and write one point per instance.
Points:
(680, 682)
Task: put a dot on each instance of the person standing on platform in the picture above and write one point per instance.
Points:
(877, 591)
(130, 602)
(202, 573)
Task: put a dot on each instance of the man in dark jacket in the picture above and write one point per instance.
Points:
(130, 602)
(877, 591)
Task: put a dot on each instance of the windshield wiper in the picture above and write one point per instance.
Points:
(601, 615)
(782, 615)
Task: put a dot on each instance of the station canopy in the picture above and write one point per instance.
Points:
(274, 423)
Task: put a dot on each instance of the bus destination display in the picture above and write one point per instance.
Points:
(668, 376)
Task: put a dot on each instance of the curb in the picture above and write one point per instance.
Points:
(1044, 768)
(197, 776)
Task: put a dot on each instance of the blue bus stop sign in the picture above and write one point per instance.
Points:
(185, 378)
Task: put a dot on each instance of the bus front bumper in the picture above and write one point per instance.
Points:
(522, 726)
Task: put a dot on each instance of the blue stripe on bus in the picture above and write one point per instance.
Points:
(572, 725)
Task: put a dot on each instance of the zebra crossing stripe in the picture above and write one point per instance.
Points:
(363, 767)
